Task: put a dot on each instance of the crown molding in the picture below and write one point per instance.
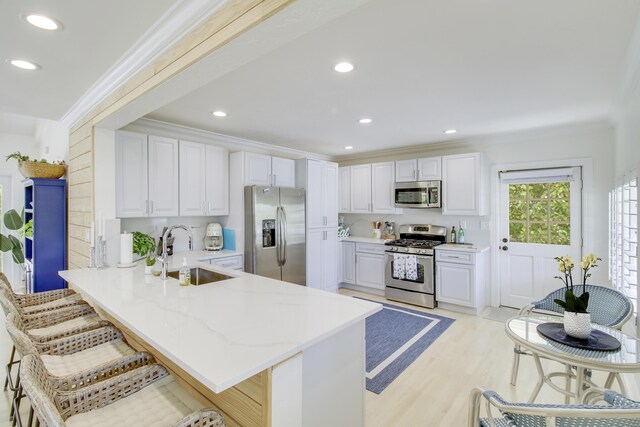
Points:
(177, 21)
(232, 143)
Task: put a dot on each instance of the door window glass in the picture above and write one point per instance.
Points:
(539, 213)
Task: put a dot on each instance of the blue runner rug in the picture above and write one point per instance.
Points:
(396, 336)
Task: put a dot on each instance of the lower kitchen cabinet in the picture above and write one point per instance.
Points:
(461, 280)
(362, 266)
(322, 259)
(348, 263)
(233, 262)
(370, 270)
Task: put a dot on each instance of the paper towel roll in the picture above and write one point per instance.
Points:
(126, 248)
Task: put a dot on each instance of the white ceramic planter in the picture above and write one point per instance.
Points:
(577, 325)
(148, 269)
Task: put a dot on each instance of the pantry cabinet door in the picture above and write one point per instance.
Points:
(163, 177)
(192, 179)
(330, 191)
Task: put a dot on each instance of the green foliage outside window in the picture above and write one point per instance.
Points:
(540, 213)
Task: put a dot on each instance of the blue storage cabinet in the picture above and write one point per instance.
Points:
(45, 201)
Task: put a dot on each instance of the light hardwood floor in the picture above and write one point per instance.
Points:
(433, 391)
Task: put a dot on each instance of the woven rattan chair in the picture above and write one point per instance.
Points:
(144, 396)
(618, 411)
(40, 301)
(607, 306)
(78, 360)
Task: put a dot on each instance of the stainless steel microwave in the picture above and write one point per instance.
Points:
(421, 194)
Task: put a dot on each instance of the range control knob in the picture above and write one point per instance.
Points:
(405, 250)
(423, 251)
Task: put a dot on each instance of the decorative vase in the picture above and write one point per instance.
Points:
(577, 325)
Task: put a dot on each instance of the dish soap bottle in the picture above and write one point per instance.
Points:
(185, 274)
(461, 235)
(454, 236)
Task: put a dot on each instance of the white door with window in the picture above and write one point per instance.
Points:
(540, 219)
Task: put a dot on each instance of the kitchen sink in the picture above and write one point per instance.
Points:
(200, 276)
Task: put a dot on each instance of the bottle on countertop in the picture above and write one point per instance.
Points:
(185, 274)
(461, 235)
(454, 236)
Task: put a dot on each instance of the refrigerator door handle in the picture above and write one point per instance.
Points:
(284, 235)
(278, 236)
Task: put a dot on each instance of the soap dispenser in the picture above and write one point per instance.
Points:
(185, 273)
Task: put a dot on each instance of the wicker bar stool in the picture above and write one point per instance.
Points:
(49, 325)
(78, 360)
(41, 301)
(144, 396)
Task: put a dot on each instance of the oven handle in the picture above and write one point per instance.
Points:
(416, 255)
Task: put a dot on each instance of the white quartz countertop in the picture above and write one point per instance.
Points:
(194, 256)
(225, 332)
(462, 248)
(357, 239)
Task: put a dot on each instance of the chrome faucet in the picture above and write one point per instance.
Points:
(164, 259)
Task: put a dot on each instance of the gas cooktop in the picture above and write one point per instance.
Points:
(413, 243)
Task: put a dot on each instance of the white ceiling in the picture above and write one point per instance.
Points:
(96, 34)
(423, 66)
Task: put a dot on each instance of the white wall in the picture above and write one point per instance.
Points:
(595, 141)
(52, 139)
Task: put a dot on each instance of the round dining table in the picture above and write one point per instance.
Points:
(523, 331)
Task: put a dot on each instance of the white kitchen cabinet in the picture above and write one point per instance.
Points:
(322, 259)
(361, 188)
(344, 189)
(132, 189)
(261, 169)
(461, 280)
(430, 169)
(370, 270)
(382, 188)
(348, 263)
(462, 185)
(320, 181)
(330, 192)
(216, 181)
(163, 177)
(423, 169)
(204, 180)
(233, 262)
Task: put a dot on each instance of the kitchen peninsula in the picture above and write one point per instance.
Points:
(265, 352)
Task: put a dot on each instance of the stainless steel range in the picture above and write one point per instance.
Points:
(410, 272)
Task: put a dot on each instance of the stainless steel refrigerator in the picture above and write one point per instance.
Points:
(275, 233)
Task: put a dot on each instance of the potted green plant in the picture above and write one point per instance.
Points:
(145, 245)
(577, 320)
(32, 168)
(10, 243)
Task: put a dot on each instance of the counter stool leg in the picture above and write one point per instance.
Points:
(37, 422)
(8, 368)
(12, 414)
(30, 421)
(17, 419)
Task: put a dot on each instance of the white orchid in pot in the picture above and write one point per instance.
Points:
(577, 320)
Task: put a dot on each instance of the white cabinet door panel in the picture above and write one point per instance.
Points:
(192, 179)
(406, 171)
(284, 172)
(315, 197)
(216, 181)
(370, 270)
(430, 169)
(330, 191)
(461, 177)
(132, 191)
(315, 243)
(348, 262)
(163, 177)
(382, 187)
(330, 260)
(361, 189)
(344, 189)
(257, 169)
(455, 283)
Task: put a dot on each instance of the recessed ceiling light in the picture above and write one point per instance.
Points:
(42, 21)
(365, 121)
(25, 65)
(450, 131)
(348, 147)
(220, 114)
(343, 67)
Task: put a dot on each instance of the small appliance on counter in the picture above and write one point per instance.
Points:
(389, 230)
(213, 240)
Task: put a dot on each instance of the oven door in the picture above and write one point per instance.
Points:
(424, 194)
(425, 281)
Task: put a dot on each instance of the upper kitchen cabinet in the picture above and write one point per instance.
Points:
(344, 189)
(266, 170)
(462, 185)
(367, 188)
(424, 169)
(146, 175)
(204, 180)
(320, 180)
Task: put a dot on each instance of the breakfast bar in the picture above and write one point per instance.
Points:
(262, 351)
